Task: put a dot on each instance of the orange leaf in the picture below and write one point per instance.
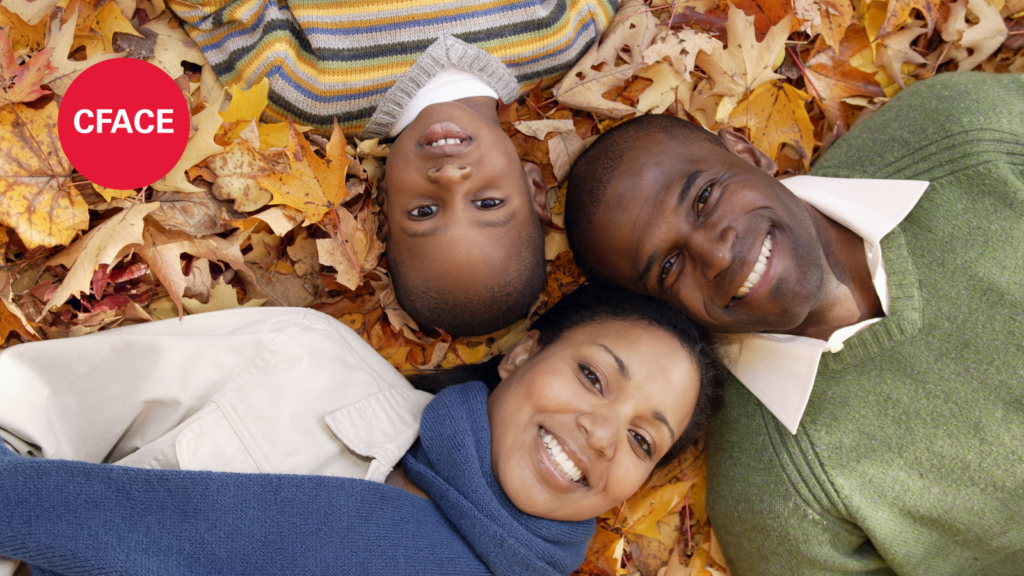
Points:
(775, 115)
(898, 14)
(834, 78)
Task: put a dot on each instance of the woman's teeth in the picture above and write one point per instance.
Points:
(565, 464)
(759, 267)
(445, 141)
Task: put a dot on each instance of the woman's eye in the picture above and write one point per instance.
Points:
(702, 198)
(488, 203)
(423, 211)
(642, 443)
(592, 377)
(667, 267)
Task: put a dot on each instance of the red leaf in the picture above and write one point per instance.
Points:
(111, 303)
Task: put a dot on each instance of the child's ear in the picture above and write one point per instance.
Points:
(521, 353)
(739, 145)
(382, 215)
(538, 191)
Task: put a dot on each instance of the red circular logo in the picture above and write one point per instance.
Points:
(123, 123)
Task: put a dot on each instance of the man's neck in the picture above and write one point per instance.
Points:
(848, 293)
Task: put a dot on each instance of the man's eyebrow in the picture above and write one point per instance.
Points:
(618, 361)
(691, 179)
(645, 271)
(660, 417)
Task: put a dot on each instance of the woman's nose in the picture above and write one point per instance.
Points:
(449, 174)
(600, 431)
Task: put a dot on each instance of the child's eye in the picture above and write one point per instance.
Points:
(488, 203)
(702, 198)
(642, 443)
(592, 377)
(423, 211)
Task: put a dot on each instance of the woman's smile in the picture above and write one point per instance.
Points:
(556, 462)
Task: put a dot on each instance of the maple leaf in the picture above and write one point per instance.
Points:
(108, 21)
(26, 77)
(834, 78)
(247, 104)
(103, 244)
(200, 147)
(356, 252)
(668, 88)
(893, 50)
(972, 44)
(67, 70)
(898, 14)
(173, 46)
(681, 47)
(775, 115)
(33, 170)
(313, 185)
(25, 38)
(746, 63)
(829, 18)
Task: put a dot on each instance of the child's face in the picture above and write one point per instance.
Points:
(456, 212)
(613, 397)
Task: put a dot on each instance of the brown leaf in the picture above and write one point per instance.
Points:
(282, 289)
(898, 14)
(31, 199)
(67, 70)
(766, 14)
(834, 78)
(356, 251)
(222, 297)
(563, 149)
(829, 18)
(237, 168)
(775, 115)
(893, 50)
(196, 213)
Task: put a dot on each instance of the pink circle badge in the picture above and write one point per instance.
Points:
(123, 123)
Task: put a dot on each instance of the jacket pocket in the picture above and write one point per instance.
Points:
(211, 443)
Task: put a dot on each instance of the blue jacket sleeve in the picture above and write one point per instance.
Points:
(76, 518)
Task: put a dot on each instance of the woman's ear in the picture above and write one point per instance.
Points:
(538, 191)
(382, 215)
(521, 353)
(739, 145)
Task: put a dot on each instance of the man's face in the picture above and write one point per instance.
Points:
(458, 202)
(688, 223)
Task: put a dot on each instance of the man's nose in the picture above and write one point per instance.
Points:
(601, 431)
(711, 249)
(449, 175)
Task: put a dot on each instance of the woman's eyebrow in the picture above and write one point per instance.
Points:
(660, 417)
(618, 362)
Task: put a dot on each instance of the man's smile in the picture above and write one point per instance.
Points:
(759, 268)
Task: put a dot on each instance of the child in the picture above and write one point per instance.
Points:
(461, 214)
(606, 385)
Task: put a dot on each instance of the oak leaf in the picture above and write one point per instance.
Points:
(67, 70)
(33, 169)
(834, 79)
(173, 46)
(102, 245)
(775, 115)
(894, 50)
(222, 297)
(108, 21)
(898, 14)
(972, 44)
(31, 12)
(25, 37)
(200, 147)
(746, 63)
(21, 82)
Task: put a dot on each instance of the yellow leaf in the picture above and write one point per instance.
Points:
(247, 104)
(31, 200)
(746, 63)
(669, 87)
(93, 45)
(67, 70)
(102, 245)
(356, 252)
(200, 147)
(173, 46)
(110, 20)
(681, 48)
(236, 169)
(31, 12)
(24, 37)
(775, 115)
(460, 353)
(222, 297)
(109, 193)
(893, 50)
(898, 14)
(371, 147)
(311, 184)
(615, 554)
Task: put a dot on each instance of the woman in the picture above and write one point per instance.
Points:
(606, 385)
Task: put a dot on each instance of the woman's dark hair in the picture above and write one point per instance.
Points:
(600, 302)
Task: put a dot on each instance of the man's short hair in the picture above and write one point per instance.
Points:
(506, 300)
(593, 171)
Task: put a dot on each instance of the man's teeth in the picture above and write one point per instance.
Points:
(759, 267)
(565, 464)
(444, 141)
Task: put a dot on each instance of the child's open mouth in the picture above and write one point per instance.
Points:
(562, 460)
(444, 136)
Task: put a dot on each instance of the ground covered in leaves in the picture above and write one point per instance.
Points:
(260, 214)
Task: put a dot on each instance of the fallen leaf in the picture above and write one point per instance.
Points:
(746, 63)
(31, 199)
(681, 48)
(173, 46)
(67, 70)
(197, 213)
(102, 245)
(237, 168)
(222, 297)
(563, 149)
(775, 115)
(282, 288)
(31, 12)
(898, 14)
(829, 18)
(108, 21)
(834, 79)
(109, 193)
(541, 128)
(893, 50)
(25, 37)
(200, 146)
(356, 252)
(973, 43)
(247, 105)
(766, 13)
(669, 87)
(21, 83)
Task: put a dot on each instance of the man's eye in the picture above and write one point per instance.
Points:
(702, 198)
(592, 377)
(423, 211)
(667, 267)
(642, 443)
(488, 203)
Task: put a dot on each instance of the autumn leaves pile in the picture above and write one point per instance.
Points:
(270, 214)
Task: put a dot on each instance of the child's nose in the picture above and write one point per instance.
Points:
(449, 174)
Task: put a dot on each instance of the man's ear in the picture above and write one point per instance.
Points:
(382, 215)
(538, 191)
(739, 145)
(521, 353)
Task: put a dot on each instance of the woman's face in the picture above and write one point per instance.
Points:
(578, 425)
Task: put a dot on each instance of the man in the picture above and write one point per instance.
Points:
(874, 328)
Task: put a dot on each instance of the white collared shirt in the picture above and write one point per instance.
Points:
(780, 369)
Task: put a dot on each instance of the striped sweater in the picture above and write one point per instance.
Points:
(350, 59)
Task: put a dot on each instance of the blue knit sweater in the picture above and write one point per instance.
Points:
(75, 518)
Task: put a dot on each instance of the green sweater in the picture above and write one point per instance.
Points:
(910, 457)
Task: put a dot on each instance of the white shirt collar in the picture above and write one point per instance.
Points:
(780, 369)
